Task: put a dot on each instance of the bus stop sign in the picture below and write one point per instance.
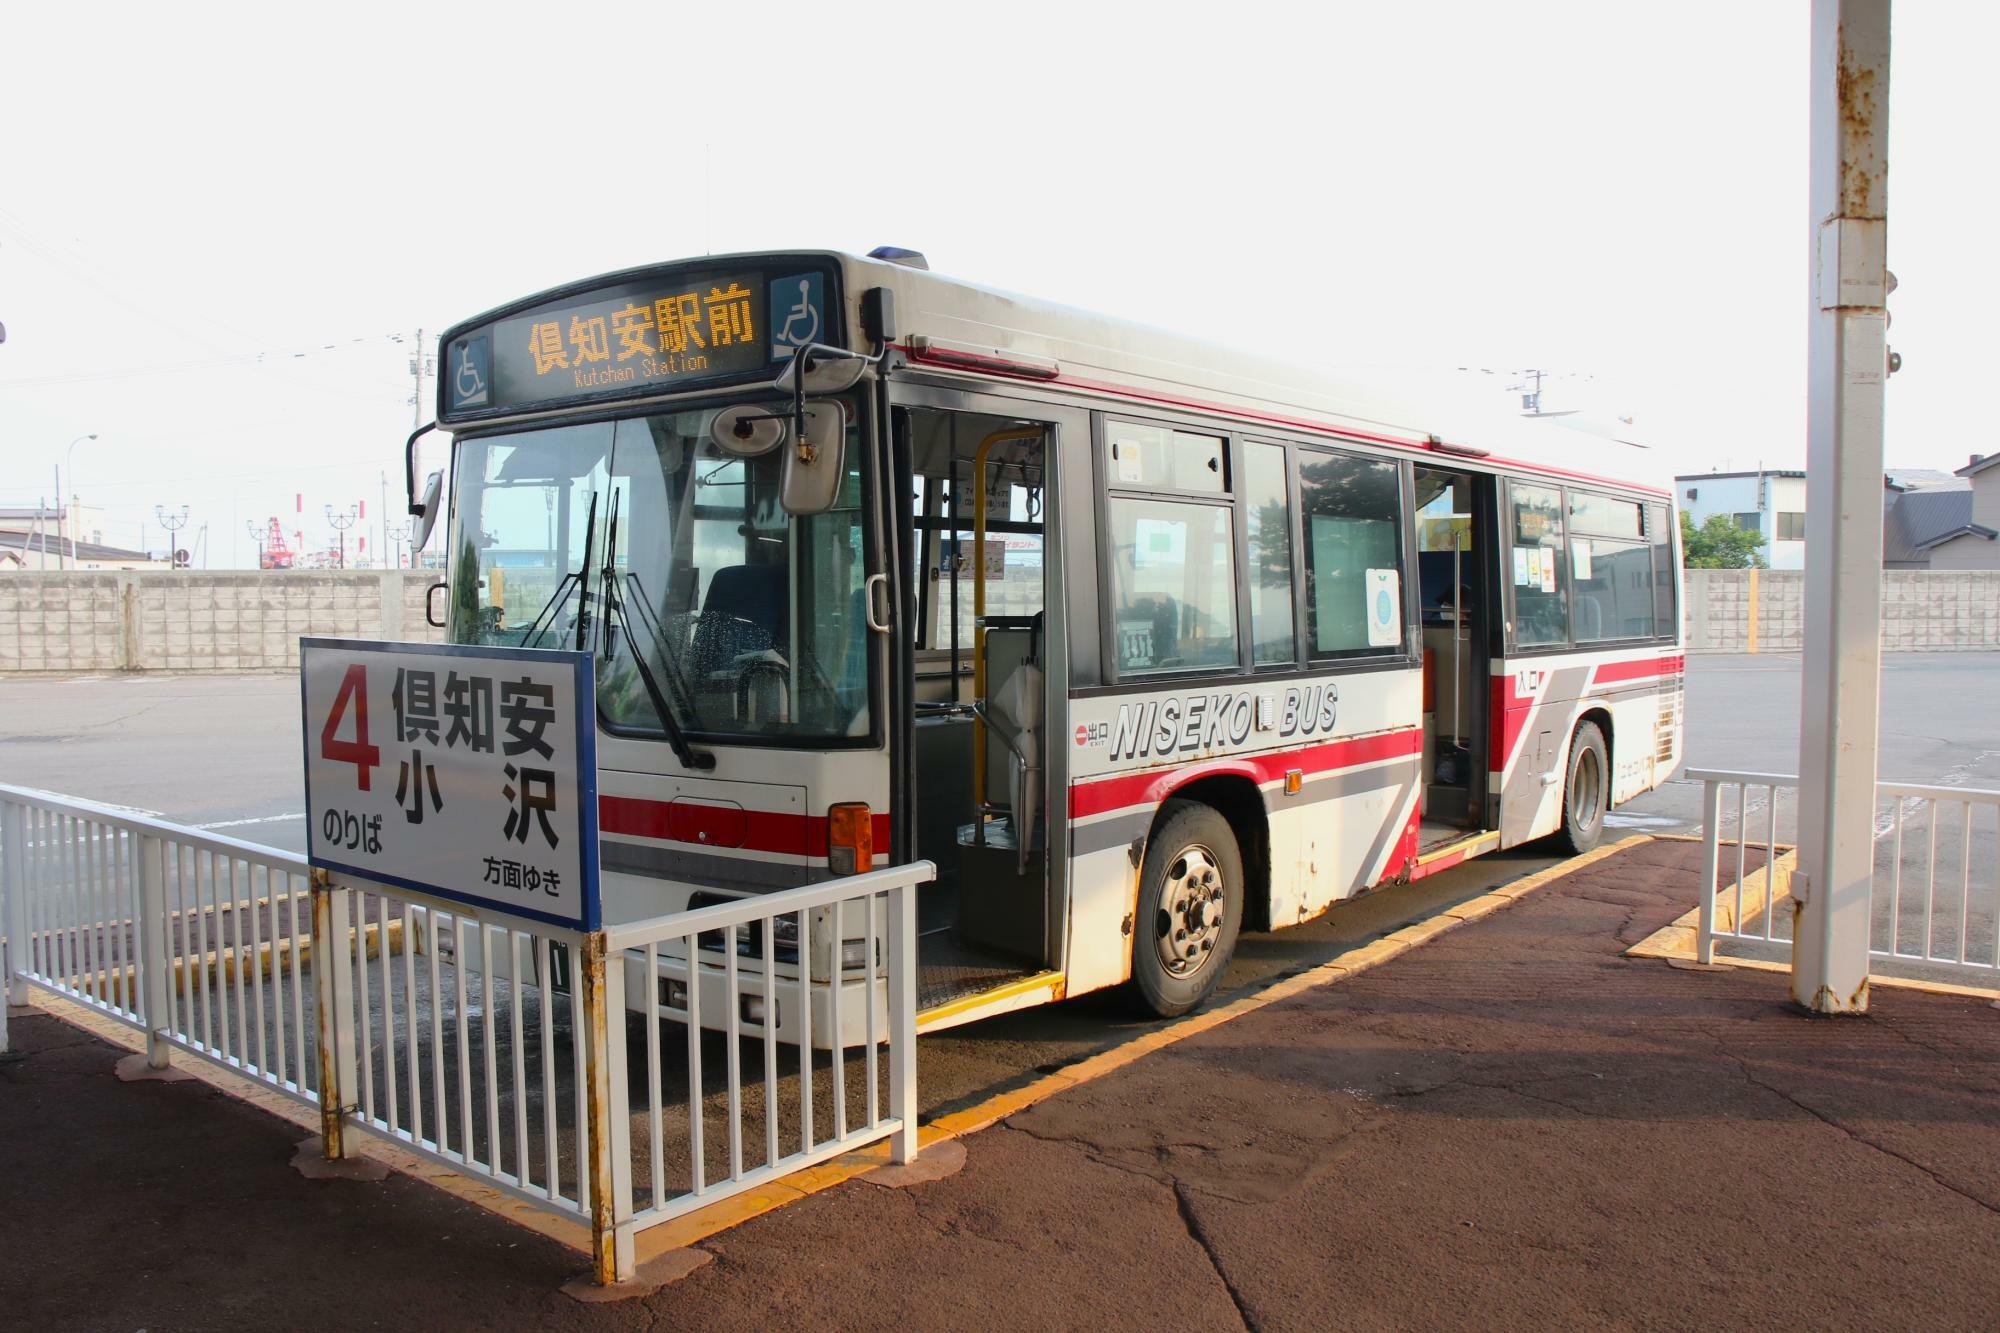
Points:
(465, 773)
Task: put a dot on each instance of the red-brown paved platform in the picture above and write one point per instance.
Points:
(1511, 1125)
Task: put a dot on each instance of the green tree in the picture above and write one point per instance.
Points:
(1720, 544)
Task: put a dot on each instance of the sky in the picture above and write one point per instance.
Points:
(221, 227)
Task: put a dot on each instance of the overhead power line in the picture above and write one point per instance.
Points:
(204, 363)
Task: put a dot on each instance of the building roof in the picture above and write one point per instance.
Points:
(1922, 519)
(1979, 463)
(21, 541)
(1924, 479)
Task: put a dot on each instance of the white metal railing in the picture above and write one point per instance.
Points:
(454, 1039)
(1913, 819)
(196, 939)
(490, 1044)
(1936, 886)
(1750, 914)
(831, 968)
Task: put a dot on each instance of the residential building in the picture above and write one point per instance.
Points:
(82, 522)
(44, 550)
(1769, 502)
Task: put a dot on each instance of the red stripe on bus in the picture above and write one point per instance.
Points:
(1297, 423)
(776, 831)
(1610, 672)
(1510, 719)
(1096, 796)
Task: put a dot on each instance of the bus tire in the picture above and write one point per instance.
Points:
(1190, 908)
(1586, 790)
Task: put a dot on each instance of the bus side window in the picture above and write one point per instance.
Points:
(1666, 577)
(1611, 565)
(1267, 516)
(1353, 517)
(1172, 550)
(1537, 565)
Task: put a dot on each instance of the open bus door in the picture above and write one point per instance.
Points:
(1458, 589)
(984, 656)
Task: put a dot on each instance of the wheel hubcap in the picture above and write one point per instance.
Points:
(1586, 789)
(1189, 924)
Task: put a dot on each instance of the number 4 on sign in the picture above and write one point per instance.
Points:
(364, 757)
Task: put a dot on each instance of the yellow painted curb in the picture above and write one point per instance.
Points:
(1484, 905)
(1428, 929)
(1678, 938)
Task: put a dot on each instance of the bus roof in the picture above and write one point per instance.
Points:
(962, 324)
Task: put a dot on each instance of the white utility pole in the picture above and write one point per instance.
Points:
(1848, 370)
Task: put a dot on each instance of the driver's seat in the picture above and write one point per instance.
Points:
(743, 612)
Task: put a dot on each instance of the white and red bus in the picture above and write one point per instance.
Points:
(1141, 641)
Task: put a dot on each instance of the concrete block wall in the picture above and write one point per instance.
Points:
(245, 621)
(232, 621)
(1933, 611)
(1922, 610)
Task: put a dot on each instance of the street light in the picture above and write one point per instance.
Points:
(68, 454)
(173, 524)
(341, 523)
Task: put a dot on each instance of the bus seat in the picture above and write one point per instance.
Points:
(1015, 716)
(744, 612)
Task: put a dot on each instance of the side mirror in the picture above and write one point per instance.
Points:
(429, 508)
(827, 369)
(747, 430)
(815, 465)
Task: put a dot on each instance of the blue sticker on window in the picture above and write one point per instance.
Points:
(798, 312)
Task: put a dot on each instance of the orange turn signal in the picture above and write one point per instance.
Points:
(850, 838)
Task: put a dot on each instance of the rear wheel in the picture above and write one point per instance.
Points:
(1587, 792)
(1190, 908)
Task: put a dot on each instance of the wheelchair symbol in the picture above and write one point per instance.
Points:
(470, 387)
(801, 313)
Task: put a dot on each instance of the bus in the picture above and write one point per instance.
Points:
(1142, 641)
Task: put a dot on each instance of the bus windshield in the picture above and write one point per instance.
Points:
(750, 618)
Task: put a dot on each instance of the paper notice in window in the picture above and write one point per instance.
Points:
(1579, 559)
(1521, 554)
(1548, 571)
(1385, 608)
(1131, 466)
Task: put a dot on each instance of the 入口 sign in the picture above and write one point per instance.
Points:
(468, 773)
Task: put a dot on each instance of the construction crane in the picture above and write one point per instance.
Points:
(274, 553)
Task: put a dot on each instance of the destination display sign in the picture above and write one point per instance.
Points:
(636, 337)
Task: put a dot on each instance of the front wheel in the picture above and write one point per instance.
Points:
(1587, 793)
(1190, 908)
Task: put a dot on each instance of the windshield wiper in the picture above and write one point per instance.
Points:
(616, 617)
(536, 629)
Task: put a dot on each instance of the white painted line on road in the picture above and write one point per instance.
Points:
(1622, 819)
(260, 819)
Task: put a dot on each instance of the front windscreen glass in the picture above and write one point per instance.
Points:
(750, 619)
